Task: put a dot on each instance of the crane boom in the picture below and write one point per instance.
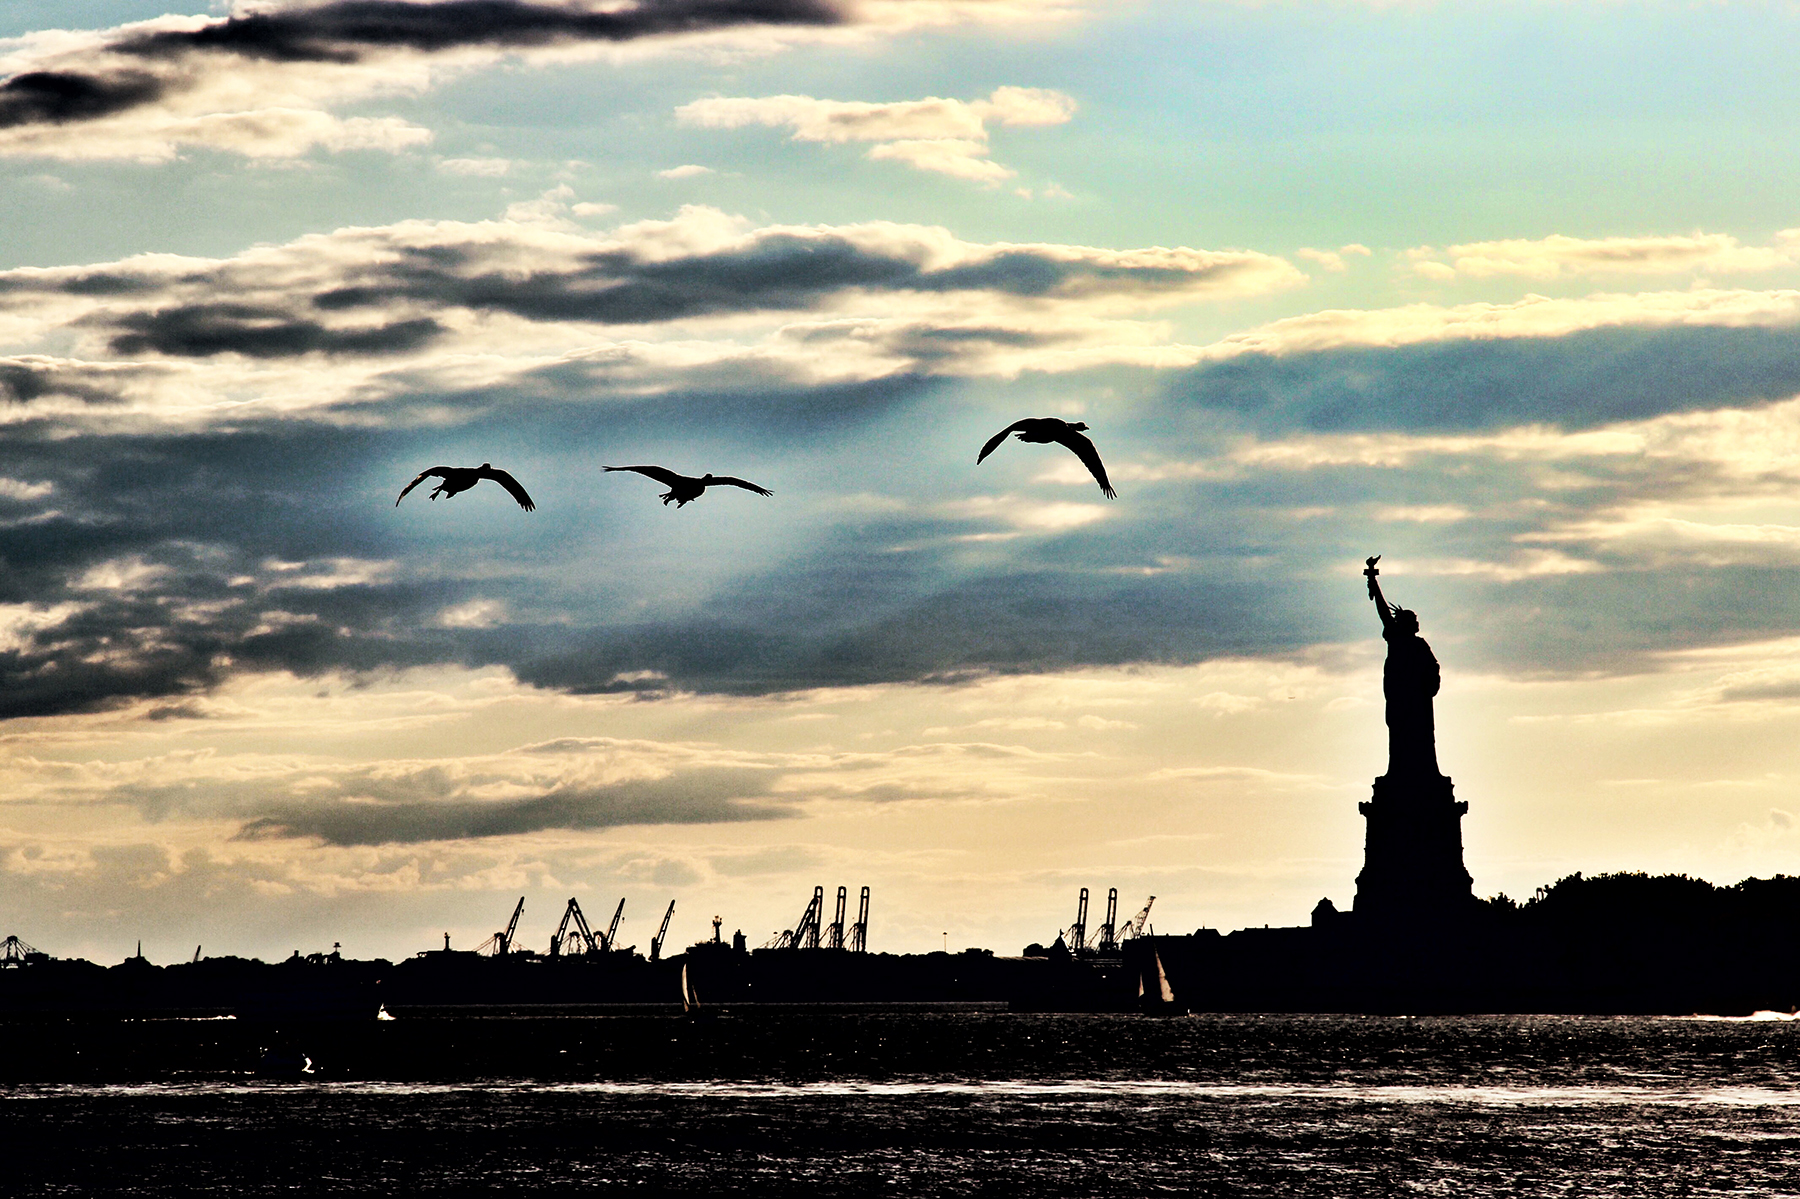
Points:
(512, 926)
(1078, 930)
(805, 935)
(834, 936)
(859, 932)
(656, 942)
(1137, 924)
(1108, 940)
(614, 930)
(581, 926)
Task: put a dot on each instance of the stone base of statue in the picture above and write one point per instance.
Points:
(1413, 871)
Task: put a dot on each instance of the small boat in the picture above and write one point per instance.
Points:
(690, 1000)
(1154, 993)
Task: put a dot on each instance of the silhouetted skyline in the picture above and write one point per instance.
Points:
(260, 269)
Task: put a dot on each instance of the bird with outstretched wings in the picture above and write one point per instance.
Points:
(685, 488)
(1045, 429)
(455, 480)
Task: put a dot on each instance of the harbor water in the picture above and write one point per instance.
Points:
(913, 1103)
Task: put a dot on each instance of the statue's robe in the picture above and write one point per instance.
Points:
(1409, 681)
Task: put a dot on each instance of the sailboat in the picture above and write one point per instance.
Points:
(1157, 995)
(690, 999)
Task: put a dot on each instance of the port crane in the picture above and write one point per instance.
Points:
(1111, 934)
(13, 953)
(656, 942)
(804, 935)
(1108, 942)
(1078, 931)
(1137, 924)
(573, 913)
(812, 933)
(859, 932)
(501, 943)
(612, 931)
(834, 935)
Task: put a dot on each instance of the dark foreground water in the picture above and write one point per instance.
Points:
(919, 1104)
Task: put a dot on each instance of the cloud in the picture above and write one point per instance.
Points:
(359, 315)
(702, 263)
(687, 171)
(1581, 380)
(202, 330)
(490, 168)
(692, 797)
(946, 156)
(934, 134)
(257, 81)
(261, 81)
(1557, 255)
(1531, 316)
(220, 504)
(1333, 260)
(567, 784)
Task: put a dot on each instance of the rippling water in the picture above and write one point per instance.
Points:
(917, 1104)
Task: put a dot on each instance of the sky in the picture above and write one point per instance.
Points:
(1505, 291)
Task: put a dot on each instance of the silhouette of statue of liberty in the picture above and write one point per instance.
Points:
(1410, 681)
(1413, 871)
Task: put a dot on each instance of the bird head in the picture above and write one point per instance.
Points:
(707, 475)
(487, 466)
(1079, 426)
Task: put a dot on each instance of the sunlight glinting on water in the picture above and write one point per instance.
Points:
(1074, 1089)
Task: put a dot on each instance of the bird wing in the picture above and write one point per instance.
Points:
(1090, 457)
(993, 443)
(434, 472)
(512, 486)
(667, 478)
(735, 482)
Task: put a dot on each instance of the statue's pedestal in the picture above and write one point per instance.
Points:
(1413, 871)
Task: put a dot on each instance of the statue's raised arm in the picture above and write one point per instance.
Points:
(1381, 605)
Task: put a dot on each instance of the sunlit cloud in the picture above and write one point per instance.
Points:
(949, 137)
(1557, 255)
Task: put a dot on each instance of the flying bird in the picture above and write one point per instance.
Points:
(458, 479)
(682, 488)
(1044, 429)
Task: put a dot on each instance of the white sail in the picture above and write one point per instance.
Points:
(1162, 980)
(689, 1001)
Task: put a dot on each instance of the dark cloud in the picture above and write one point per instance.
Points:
(171, 563)
(1024, 272)
(195, 522)
(382, 285)
(349, 30)
(27, 378)
(157, 567)
(771, 272)
(1579, 381)
(697, 796)
(201, 330)
(59, 97)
